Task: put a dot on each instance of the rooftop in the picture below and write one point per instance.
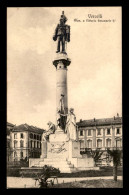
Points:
(10, 124)
(103, 121)
(26, 127)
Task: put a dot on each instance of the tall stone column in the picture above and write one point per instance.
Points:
(61, 86)
(61, 62)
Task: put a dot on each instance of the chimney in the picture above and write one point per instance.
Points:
(94, 119)
(117, 115)
(80, 120)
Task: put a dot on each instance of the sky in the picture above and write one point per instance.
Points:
(94, 75)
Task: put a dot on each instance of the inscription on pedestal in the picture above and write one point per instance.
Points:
(57, 148)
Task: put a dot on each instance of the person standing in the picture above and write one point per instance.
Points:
(71, 127)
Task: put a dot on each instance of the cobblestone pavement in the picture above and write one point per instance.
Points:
(19, 182)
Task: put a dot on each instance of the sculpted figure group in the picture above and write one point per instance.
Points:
(70, 125)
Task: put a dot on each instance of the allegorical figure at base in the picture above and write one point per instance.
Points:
(61, 120)
(71, 127)
(61, 115)
(51, 130)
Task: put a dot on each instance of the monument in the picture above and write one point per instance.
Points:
(60, 144)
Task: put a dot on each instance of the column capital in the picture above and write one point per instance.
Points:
(61, 58)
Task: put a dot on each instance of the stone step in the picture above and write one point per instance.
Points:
(54, 160)
(63, 165)
(62, 169)
(57, 165)
(55, 156)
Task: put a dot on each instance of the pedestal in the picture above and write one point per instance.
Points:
(62, 153)
(74, 149)
(58, 136)
(58, 145)
(43, 149)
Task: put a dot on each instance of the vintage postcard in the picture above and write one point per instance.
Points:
(64, 97)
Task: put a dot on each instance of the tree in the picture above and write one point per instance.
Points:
(116, 155)
(96, 154)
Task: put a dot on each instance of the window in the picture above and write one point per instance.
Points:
(89, 143)
(15, 154)
(31, 136)
(21, 154)
(34, 144)
(21, 136)
(108, 132)
(81, 132)
(40, 137)
(82, 144)
(15, 135)
(108, 143)
(38, 154)
(38, 144)
(118, 143)
(37, 137)
(31, 143)
(98, 131)
(21, 143)
(99, 143)
(34, 136)
(118, 131)
(89, 132)
(33, 154)
(15, 144)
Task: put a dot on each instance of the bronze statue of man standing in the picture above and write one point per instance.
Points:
(62, 34)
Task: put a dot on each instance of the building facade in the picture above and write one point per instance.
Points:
(100, 134)
(8, 141)
(25, 142)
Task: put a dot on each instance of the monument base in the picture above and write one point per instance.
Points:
(62, 153)
(58, 136)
